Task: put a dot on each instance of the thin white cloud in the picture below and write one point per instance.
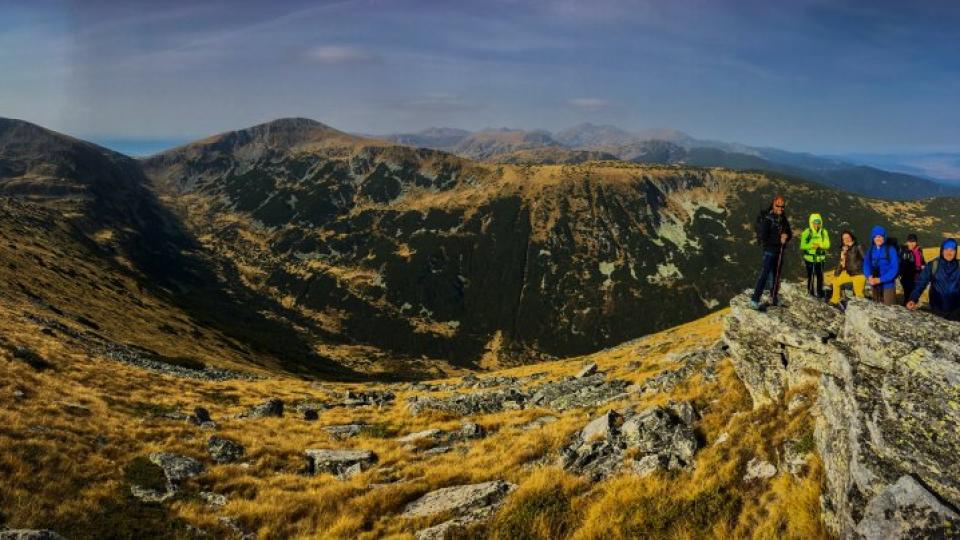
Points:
(590, 104)
(340, 55)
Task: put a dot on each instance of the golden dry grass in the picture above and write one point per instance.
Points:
(68, 467)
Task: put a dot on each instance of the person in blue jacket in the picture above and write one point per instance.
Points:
(881, 266)
(943, 276)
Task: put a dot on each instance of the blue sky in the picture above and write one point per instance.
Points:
(821, 76)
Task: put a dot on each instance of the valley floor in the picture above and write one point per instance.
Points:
(78, 429)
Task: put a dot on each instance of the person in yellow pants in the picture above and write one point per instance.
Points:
(850, 269)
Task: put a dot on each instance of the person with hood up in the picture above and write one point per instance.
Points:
(814, 243)
(911, 264)
(773, 233)
(881, 266)
(943, 276)
(850, 269)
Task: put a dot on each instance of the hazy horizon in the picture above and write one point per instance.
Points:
(809, 76)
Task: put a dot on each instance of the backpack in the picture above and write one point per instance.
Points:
(907, 260)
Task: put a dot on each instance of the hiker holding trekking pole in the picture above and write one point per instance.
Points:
(772, 234)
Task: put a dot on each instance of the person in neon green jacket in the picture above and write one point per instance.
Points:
(814, 243)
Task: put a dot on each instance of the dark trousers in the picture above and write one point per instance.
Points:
(908, 284)
(768, 272)
(815, 272)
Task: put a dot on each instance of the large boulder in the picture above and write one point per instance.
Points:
(888, 384)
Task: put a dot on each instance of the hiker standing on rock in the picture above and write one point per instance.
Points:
(911, 264)
(850, 269)
(773, 233)
(814, 243)
(943, 276)
(882, 264)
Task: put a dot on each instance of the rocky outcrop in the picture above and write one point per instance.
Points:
(888, 405)
(661, 437)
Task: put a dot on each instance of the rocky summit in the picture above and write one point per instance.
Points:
(888, 403)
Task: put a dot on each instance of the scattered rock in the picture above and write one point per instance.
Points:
(437, 450)
(271, 407)
(703, 361)
(647, 465)
(201, 417)
(661, 437)
(794, 459)
(29, 534)
(19, 394)
(311, 415)
(31, 358)
(214, 500)
(369, 398)
(234, 525)
(796, 402)
(338, 462)
(430, 434)
(587, 370)
(471, 430)
(459, 499)
(344, 431)
(758, 469)
(721, 439)
(224, 450)
(150, 361)
(176, 468)
(538, 423)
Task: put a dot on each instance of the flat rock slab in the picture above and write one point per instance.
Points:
(339, 462)
(459, 499)
(344, 431)
(421, 435)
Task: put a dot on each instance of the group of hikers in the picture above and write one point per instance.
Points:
(881, 264)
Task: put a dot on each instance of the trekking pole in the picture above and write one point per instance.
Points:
(776, 281)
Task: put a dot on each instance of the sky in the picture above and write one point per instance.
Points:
(806, 75)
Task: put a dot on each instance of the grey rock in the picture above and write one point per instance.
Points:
(758, 469)
(587, 370)
(906, 510)
(459, 499)
(794, 460)
(647, 465)
(471, 430)
(338, 462)
(372, 398)
(344, 431)
(148, 495)
(660, 437)
(272, 407)
(234, 525)
(600, 428)
(214, 500)
(797, 402)
(148, 361)
(29, 534)
(224, 450)
(431, 434)
(539, 422)
(175, 467)
(721, 438)
(887, 382)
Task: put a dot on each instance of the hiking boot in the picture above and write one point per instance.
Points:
(754, 305)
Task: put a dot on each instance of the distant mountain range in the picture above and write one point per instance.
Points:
(586, 142)
(325, 253)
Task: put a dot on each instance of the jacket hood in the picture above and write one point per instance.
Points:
(814, 217)
(949, 243)
(877, 230)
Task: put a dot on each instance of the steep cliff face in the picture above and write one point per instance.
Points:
(889, 403)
